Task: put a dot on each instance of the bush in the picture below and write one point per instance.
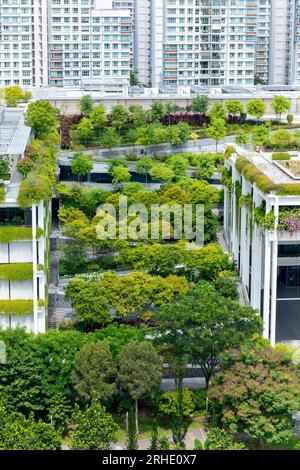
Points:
(290, 118)
(16, 271)
(168, 402)
(16, 307)
(11, 234)
(281, 156)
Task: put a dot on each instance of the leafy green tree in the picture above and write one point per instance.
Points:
(85, 130)
(219, 439)
(138, 115)
(98, 117)
(20, 433)
(143, 166)
(95, 428)
(12, 96)
(241, 138)
(140, 372)
(147, 135)
(86, 105)
(169, 110)
(110, 138)
(200, 104)
(257, 392)
(217, 130)
(209, 324)
(157, 111)
(81, 164)
(168, 402)
(280, 104)
(116, 162)
(120, 174)
(234, 107)
(132, 436)
(184, 132)
(218, 111)
(282, 138)
(256, 108)
(119, 116)
(260, 135)
(133, 79)
(94, 371)
(42, 117)
(161, 172)
(74, 258)
(205, 167)
(179, 164)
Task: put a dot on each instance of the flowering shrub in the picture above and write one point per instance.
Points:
(289, 221)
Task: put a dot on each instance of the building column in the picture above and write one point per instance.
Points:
(256, 268)
(34, 265)
(267, 272)
(274, 276)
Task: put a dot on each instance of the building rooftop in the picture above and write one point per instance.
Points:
(14, 134)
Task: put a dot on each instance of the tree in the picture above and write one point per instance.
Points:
(256, 108)
(157, 111)
(110, 138)
(217, 130)
(200, 104)
(86, 105)
(143, 166)
(169, 110)
(41, 117)
(81, 164)
(280, 105)
(85, 130)
(132, 436)
(282, 138)
(12, 96)
(241, 138)
(20, 433)
(161, 172)
(206, 324)
(138, 115)
(218, 111)
(98, 117)
(95, 428)
(94, 371)
(140, 372)
(234, 107)
(257, 392)
(74, 258)
(179, 164)
(119, 116)
(260, 135)
(205, 167)
(133, 79)
(120, 174)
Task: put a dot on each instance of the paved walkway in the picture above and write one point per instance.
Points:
(143, 444)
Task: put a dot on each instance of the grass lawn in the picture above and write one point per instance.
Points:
(145, 426)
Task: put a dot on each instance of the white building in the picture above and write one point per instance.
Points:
(262, 229)
(23, 238)
(88, 39)
(23, 43)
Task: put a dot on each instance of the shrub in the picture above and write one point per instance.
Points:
(16, 307)
(290, 118)
(16, 271)
(10, 234)
(281, 156)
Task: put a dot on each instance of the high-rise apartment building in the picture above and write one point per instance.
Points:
(23, 43)
(166, 42)
(88, 40)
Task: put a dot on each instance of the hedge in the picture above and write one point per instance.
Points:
(10, 234)
(281, 156)
(254, 175)
(16, 307)
(16, 271)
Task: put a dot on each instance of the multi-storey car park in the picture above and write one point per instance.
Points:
(24, 241)
(261, 226)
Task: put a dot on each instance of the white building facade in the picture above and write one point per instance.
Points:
(263, 235)
(23, 43)
(24, 237)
